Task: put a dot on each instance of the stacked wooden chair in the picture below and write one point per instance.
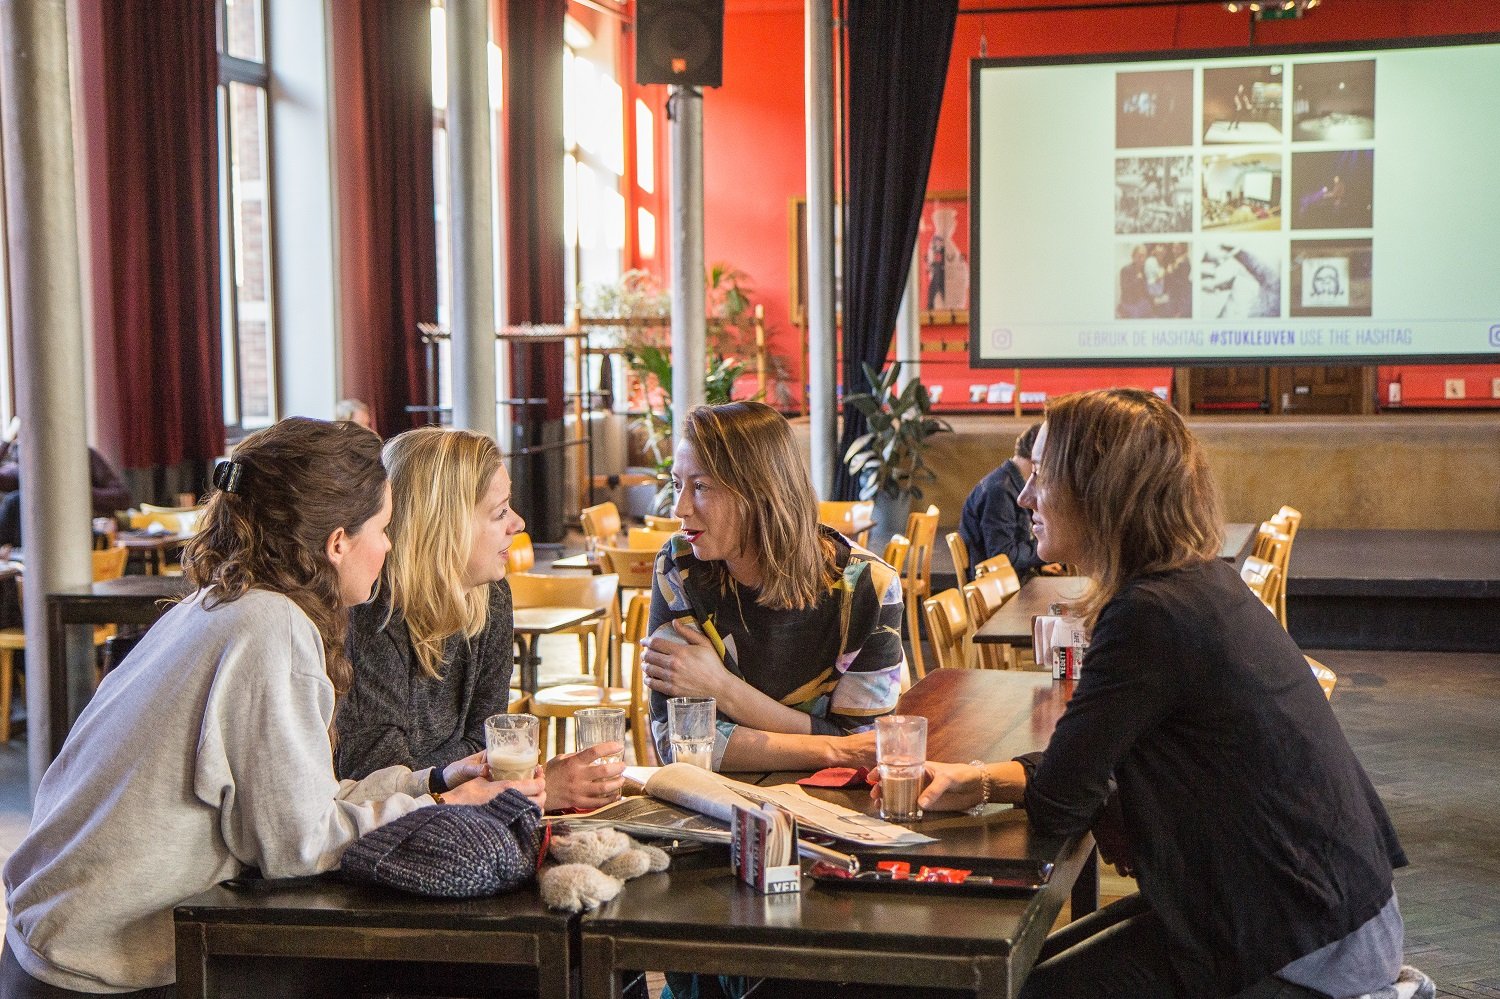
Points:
(916, 581)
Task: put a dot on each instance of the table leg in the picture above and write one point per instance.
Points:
(57, 681)
(524, 642)
(1086, 889)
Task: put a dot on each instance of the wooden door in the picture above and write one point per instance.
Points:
(1318, 390)
(1228, 390)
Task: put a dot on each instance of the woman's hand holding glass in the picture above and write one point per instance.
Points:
(469, 784)
(578, 780)
(690, 667)
(951, 787)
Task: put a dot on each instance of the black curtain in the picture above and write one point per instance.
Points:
(898, 62)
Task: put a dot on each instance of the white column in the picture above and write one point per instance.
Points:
(909, 329)
(689, 319)
(471, 233)
(46, 313)
(822, 329)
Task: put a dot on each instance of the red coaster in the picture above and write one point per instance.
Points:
(837, 777)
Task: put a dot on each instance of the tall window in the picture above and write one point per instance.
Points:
(248, 314)
(594, 164)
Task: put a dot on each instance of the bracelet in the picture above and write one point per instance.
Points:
(984, 782)
(436, 783)
(437, 797)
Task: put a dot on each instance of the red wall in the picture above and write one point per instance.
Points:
(754, 148)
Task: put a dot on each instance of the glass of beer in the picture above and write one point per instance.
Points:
(690, 727)
(596, 725)
(510, 743)
(901, 755)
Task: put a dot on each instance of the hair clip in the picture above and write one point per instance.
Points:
(228, 476)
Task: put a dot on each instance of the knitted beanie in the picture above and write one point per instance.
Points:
(452, 851)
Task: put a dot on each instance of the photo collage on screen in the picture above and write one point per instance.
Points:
(1245, 191)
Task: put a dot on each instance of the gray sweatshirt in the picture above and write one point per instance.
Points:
(204, 753)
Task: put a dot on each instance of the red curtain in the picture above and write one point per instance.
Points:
(158, 361)
(534, 197)
(383, 71)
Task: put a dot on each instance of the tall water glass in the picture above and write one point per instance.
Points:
(690, 727)
(901, 754)
(510, 743)
(596, 725)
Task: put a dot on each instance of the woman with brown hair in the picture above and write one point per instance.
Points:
(1263, 852)
(433, 651)
(793, 631)
(207, 752)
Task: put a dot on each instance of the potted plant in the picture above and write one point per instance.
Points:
(889, 462)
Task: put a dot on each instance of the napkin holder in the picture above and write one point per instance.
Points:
(763, 849)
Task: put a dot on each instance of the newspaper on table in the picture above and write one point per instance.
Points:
(688, 802)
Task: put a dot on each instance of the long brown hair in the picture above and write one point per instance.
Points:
(747, 448)
(438, 477)
(1138, 481)
(297, 482)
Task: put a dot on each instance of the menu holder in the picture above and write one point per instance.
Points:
(1059, 643)
(763, 849)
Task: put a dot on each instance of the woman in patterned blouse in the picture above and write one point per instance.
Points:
(793, 630)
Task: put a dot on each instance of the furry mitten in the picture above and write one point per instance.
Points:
(590, 866)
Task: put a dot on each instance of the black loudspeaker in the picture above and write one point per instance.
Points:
(680, 41)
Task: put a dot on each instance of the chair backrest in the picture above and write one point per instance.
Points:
(999, 565)
(948, 627)
(1261, 576)
(672, 524)
(896, 551)
(1275, 546)
(922, 529)
(983, 597)
(637, 620)
(843, 515)
(110, 563)
(636, 567)
(529, 589)
(153, 508)
(644, 537)
(1326, 677)
(1291, 518)
(177, 521)
(601, 522)
(960, 552)
(522, 555)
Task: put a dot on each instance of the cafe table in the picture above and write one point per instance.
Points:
(327, 938)
(153, 548)
(533, 622)
(697, 917)
(1011, 624)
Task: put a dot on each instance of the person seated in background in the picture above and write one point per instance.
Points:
(206, 752)
(107, 493)
(432, 653)
(1197, 743)
(994, 523)
(792, 630)
(357, 412)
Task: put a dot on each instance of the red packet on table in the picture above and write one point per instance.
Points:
(836, 777)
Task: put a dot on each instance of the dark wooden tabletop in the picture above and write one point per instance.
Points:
(1011, 624)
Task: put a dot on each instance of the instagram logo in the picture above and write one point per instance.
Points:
(1001, 339)
(1495, 335)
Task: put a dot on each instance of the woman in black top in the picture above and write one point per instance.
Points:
(1263, 854)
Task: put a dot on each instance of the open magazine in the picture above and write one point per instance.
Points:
(688, 802)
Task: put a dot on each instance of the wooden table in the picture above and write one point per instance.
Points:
(582, 562)
(152, 548)
(127, 600)
(533, 622)
(698, 917)
(1011, 624)
(322, 937)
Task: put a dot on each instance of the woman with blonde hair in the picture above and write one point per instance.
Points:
(1263, 852)
(206, 752)
(432, 652)
(794, 631)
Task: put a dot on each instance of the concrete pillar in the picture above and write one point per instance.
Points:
(47, 326)
(472, 234)
(909, 328)
(689, 322)
(822, 329)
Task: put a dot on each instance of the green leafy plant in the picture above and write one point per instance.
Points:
(891, 458)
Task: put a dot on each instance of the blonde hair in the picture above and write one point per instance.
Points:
(747, 449)
(1139, 483)
(438, 477)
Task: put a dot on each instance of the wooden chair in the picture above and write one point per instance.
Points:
(921, 528)
(176, 520)
(671, 524)
(1273, 545)
(563, 701)
(999, 565)
(529, 589)
(601, 522)
(960, 552)
(636, 568)
(984, 596)
(108, 564)
(646, 538)
(522, 555)
(896, 551)
(637, 620)
(843, 516)
(1291, 519)
(948, 628)
(1326, 677)
(1261, 575)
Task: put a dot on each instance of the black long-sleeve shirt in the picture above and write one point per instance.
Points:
(395, 713)
(1257, 836)
(993, 523)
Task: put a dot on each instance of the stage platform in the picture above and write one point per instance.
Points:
(1411, 590)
